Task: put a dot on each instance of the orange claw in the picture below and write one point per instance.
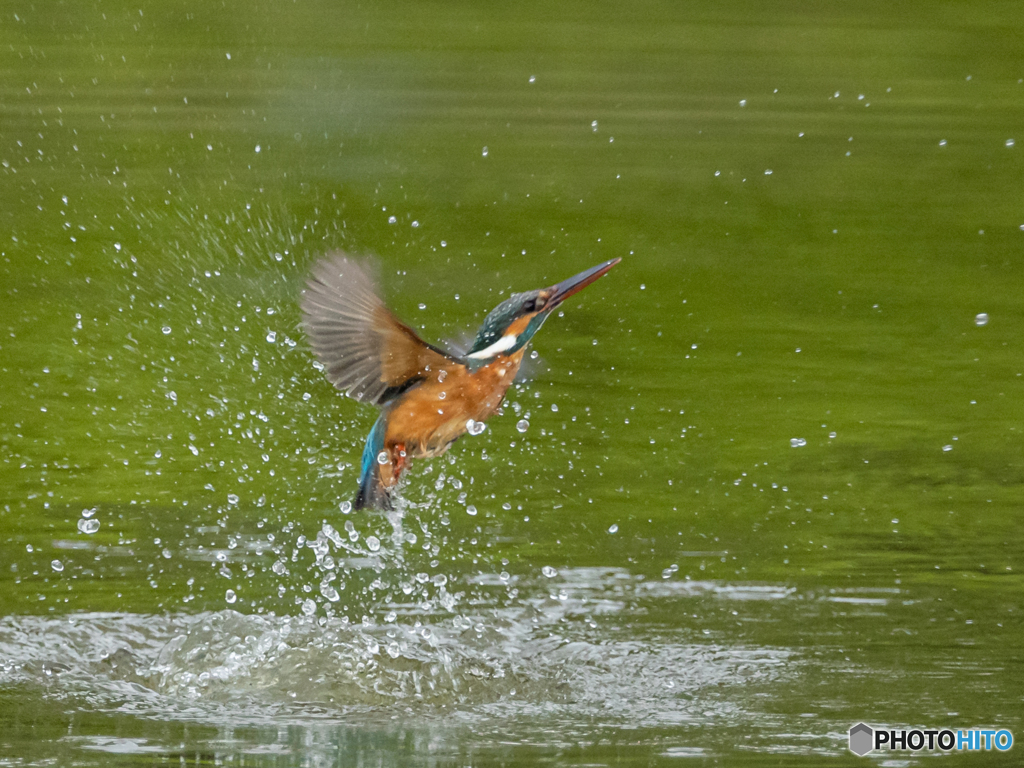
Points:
(399, 459)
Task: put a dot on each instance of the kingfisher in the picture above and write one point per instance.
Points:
(428, 397)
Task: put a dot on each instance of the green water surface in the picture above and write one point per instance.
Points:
(772, 482)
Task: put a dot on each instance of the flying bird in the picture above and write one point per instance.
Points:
(428, 397)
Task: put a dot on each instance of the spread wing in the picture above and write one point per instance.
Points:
(367, 352)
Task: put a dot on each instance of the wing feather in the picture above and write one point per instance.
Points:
(367, 352)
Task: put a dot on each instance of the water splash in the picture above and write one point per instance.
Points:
(547, 650)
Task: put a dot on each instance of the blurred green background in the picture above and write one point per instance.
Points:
(772, 480)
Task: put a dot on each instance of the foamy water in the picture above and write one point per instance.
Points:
(578, 654)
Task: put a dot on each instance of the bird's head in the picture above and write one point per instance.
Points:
(510, 325)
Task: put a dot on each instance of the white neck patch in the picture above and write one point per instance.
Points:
(503, 344)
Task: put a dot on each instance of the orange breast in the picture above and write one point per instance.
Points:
(433, 414)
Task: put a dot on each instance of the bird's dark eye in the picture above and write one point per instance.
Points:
(529, 305)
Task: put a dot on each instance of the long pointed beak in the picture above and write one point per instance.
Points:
(563, 290)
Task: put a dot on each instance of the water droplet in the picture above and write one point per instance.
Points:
(346, 507)
(470, 510)
(981, 319)
(594, 126)
(947, 448)
(279, 568)
(392, 220)
(166, 329)
(383, 458)
(797, 442)
(230, 596)
(329, 592)
(484, 152)
(743, 102)
(475, 427)
(548, 571)
(1009, 142)
(272, 336)
(57, 565)
(522, 425)
(533, 78)
(232, 498)
(415, 224)
(554, 407)
(372, 543)
(613, 528)
(88, 526)
(308, 607)
(258, 148)
(439, 580)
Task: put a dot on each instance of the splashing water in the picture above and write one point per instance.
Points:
(543, 650)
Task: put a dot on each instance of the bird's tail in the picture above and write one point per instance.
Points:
(372, 493)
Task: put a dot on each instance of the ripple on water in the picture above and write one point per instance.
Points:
(547, 654)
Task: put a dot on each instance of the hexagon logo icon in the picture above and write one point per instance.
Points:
(862, 739)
